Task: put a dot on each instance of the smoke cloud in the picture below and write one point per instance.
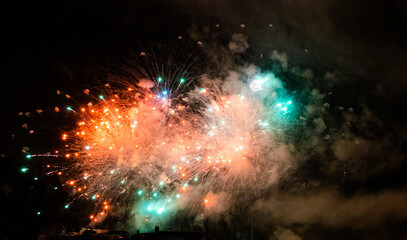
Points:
(331, 209)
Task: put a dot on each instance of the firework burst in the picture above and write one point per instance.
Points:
(160, 143)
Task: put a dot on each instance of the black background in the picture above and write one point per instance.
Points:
(67, 45)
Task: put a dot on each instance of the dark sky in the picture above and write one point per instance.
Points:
(68, 45)
(366, 38)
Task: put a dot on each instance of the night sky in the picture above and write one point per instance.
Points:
(348, 177)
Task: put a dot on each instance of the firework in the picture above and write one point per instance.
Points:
(158, 146)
